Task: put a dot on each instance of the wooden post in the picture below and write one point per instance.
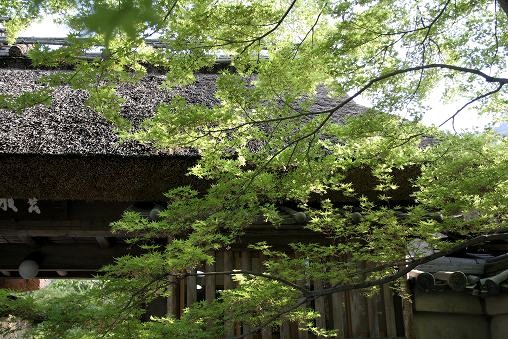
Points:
(391, 327)
(210, 282)
(407, 311)
(257, 266)
(246, 265)
(373, 316)
(228, 284)
(182, 296)
(320, 305)
(359, 314)
(338, 300)
(285, 330)
(228, 266)
(192, 295)
(172, 298)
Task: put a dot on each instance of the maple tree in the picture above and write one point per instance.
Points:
(265, 145)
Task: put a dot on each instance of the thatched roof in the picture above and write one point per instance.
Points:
(69, 127)
(67, 151)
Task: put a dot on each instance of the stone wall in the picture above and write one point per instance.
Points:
(453, 315)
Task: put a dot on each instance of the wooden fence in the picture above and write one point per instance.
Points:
(351, 313)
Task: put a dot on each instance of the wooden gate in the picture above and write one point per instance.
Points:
(351, 313)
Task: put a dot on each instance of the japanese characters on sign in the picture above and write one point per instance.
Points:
(7, 204)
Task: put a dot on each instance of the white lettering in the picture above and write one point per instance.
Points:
(33, 206)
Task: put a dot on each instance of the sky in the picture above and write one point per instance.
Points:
(467, 120)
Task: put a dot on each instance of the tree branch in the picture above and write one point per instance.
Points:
(498, 88)
(410, 266)
(257, 274)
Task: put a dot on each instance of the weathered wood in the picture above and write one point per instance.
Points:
(210, 285)
(192, 295)
(246, 265)
(228, 284)
(358, 311)
(424, 280)
(338, 309)
(285, 330)
(391, 327)
(457, 281)
(228, 266)
(320, 305)
(182, 290)
(372, 309)
(172, 299)
(257, 266)
(407, 312)
(67, 257)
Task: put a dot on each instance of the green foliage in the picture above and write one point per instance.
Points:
(268, 144)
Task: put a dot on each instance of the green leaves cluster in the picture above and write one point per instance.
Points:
(285, 131)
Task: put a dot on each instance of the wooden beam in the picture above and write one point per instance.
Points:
(67, 257)
(57, 228)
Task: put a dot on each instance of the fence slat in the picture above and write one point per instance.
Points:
(372, 310)
(257, 266)
(358, 309)
(320, 305)
(228, 266)
(246, 265)
(210, 282)
(338, 309)
(228, 284)
(391, 327)
(192, 295)
(285, 330)
(172, 300)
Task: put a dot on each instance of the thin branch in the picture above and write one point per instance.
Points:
(293, 307)
(368, 85)
(452, 117)
(309, 31)
(270, 31)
